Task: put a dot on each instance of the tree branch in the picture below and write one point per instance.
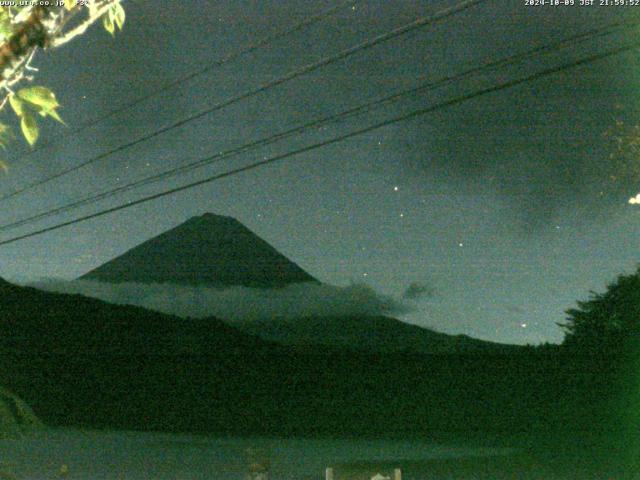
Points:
(29, 35)
(44, 27)
(100, 9)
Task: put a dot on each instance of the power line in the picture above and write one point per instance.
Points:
(421, 22)
(407, 116)
(196, 73)
(512, 59)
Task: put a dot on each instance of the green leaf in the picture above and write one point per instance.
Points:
(29, 127)
(119, 15)
(114, 18)
(54, 114)
(26, 103)
(107, 21)
(18, 105)
(40, 96)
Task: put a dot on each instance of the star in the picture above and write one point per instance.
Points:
(396, 188)
(461, 244)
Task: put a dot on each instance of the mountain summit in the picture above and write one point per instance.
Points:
(209, 250)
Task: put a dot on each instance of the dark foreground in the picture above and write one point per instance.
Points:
(565, 413)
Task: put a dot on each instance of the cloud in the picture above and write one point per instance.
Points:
(417, 290)
(237, 303)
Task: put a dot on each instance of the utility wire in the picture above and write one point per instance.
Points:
(274, 159)
(421, 22)
(196, 73)
(512, 59)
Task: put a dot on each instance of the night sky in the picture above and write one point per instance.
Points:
(508, 207)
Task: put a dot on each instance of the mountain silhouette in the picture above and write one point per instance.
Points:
(218, 251)
(208, 250)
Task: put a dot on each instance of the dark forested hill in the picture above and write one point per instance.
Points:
(37, 322)
(379, 334)
(83, 362)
